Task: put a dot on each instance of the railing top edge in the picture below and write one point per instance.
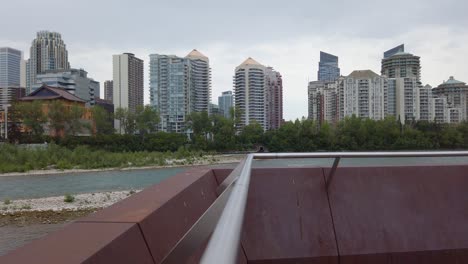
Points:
(379, 154)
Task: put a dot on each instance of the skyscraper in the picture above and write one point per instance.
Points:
(178, 87)
(258, 95)
(363, 95)
(323, 101)
(200, 81)
(455, 94)
(395, 50)
(328, 67)
(108, 90)
(249, 93)
(10, 67)
(128, 82)
(402, 65)
(225, 103)
(48, 52)
(273, 98)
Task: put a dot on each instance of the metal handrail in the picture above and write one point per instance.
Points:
(223, 246)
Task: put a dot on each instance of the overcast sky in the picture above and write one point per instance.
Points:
(287, 35)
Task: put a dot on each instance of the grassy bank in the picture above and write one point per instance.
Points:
(22, 159)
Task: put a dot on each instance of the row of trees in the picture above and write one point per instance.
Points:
(217, 133)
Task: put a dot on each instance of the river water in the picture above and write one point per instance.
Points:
(35, 186)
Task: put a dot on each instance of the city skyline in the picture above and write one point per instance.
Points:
(293, 49)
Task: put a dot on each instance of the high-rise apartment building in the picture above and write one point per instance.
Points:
(127, 83)
(258, 95)
(273, 98)
(10, 67)
(402, 65)
(108, 90)
(178, 87)
(363, 95)
(200, 81)
(48, 52)
(455, 94)
(225, 103)
(425, 104)
(74, 81)
(323, 101)
(249, 93)
(328, 67)
(402, 99)
(395, 50)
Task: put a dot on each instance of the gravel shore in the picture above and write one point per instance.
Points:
(80, 202)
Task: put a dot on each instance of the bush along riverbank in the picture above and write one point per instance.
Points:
(17, 158)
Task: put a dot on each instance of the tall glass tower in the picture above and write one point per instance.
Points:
(328, 67)
(48, 52)
(10, 72)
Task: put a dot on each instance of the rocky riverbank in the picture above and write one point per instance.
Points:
(58, 209)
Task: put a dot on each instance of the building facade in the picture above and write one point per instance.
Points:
(127, 81)
(225, 103)
(258, 95)
(178, 87)
(74, 81)
(108, 90)
(455, 95)
(328, 67)
(249, 93)
(10, 67)
(323, 101)
(48, 52)
(402, 99)
(363, 95)
(273, 99)
(402, 65)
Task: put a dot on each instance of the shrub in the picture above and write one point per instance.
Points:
(7, 202)
(69, 198)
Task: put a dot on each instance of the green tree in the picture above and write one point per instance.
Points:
(251, 135)
(103, 120)
(147, 119)
(32, 115)
(126, 119)
(58, 116)
(75, 120)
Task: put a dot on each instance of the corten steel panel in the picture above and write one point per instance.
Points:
(221, 174)
(419, 210)
(86, 243)
(166, 211)
(288, 218)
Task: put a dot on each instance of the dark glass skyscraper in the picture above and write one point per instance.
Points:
(394, 51)
(328, 67)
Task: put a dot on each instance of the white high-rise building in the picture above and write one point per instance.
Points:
(363, 95)
(48, 52)
(249, 93)
(402, 99)
(10, 67)
(258, 95)
(127, 83)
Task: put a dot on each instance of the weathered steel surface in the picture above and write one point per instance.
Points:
(166, 211)
(415, 214)
(288, 218)
(118, 243)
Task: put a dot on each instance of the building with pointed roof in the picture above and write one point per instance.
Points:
(47, 95)
(178, 87)
(258, 95)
